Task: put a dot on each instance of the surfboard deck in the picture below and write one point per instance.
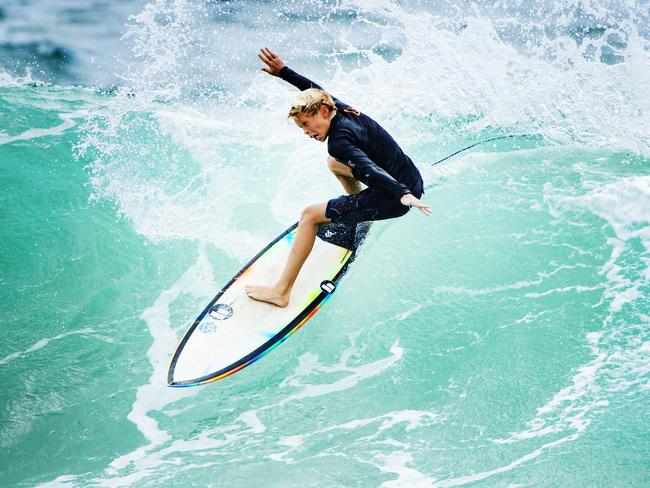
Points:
(234, 331)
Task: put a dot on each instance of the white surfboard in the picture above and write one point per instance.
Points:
(234, 330)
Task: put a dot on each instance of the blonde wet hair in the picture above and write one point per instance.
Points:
(309, 102)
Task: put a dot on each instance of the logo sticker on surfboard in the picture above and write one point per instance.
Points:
(328, 286)
(208, 327)
(221, 311)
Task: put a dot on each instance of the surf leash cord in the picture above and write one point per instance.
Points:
(481, 142)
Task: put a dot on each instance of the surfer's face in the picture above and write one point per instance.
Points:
(316, 126)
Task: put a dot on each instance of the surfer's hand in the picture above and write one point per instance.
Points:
(272, 61)
(410, 201)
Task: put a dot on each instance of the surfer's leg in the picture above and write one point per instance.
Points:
(303, 243)
(344, 174)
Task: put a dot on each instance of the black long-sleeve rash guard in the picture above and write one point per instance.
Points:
(362, 144)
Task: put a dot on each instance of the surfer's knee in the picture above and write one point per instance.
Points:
(308, 215)
(311, 215)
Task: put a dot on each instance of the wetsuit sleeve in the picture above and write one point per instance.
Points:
(299, 81)
(364, 169)
(302, 83)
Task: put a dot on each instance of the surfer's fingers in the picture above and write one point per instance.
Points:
(267, 52)
(271, 54)
(266, 61)
(274, 58)
(275, 65)
(268, 57)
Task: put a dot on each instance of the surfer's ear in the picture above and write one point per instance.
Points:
(325, 111)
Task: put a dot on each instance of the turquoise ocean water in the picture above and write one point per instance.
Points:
(502, 342)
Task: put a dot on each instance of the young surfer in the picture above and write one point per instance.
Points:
(360, 150)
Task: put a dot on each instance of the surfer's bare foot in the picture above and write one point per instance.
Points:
(268, 294)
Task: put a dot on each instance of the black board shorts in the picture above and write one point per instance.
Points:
(369, 204)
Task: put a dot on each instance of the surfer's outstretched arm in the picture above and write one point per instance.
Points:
(303, 243)
(276, 67)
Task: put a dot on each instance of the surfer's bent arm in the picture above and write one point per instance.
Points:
(364, 169)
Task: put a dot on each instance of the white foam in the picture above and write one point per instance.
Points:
(398, 463)
(64, 481)
(291, 441)
(209, 442)
(155, 395)
(29, 134)
(42, 343)
(8, 80)
(469, 479)
(451, 71)
(565, 411)
(411, 419)
(251, 420)
(617, 365)
(625, 205)
(354, 376)
(563, 289)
